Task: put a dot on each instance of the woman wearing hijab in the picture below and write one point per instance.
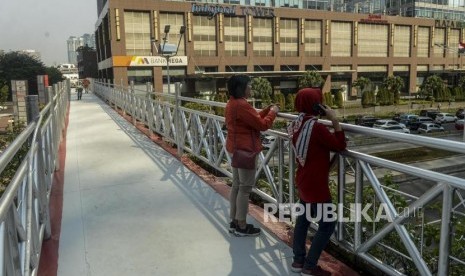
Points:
(244, 124)
(312, 143)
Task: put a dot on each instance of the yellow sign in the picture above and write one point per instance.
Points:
(148, 61)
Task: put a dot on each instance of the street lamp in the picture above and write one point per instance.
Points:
(168, 50)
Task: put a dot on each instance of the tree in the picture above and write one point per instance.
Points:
(462, 82)
(362, 83)
(280, 100)
(3, 94)
(290, 101)
(85, 48)
(310, 79)
(368, 98)
(328, 99)
(262, 89)
(54, 75)
(384, 97)
(432, 86)
(222, 98)
(338, 99)
(393, 85)
(21, 66)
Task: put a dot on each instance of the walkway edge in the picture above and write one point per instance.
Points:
(48, 265)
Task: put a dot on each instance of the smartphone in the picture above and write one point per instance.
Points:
(318, 108)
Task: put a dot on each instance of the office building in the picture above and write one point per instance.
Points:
(74, 43)
(87, 62)
(275, 39)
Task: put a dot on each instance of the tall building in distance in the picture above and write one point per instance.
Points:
(74, 43)
(89, 40)
(438, 9)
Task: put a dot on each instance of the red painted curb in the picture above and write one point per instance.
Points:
(48, 265)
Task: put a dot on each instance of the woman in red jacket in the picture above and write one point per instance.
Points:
(244, 124)
(312, 143)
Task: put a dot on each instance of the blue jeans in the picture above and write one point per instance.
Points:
(320, 240)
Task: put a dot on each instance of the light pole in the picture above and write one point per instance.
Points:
(170, 50)
(167, 51)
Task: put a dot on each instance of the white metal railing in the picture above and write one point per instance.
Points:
(397, 244)
(24, 205)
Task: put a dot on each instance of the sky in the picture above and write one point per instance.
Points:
(45, 25)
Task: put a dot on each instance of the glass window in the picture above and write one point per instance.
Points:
(263, 68)
(402, 41)
(262, 37)
(137, 31)
(372, 40)
(313, 38)
(289, 37)
(423, 42)
(453, 42)
(341, 39)
(289, 67)
(234, 36)
(140, 77)
(236, 68)
(175, 21)
(439, 42)
(204, 33)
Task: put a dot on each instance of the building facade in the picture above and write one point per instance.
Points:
(278, 43)
(69, 71)
(87, 62)
(74, 43)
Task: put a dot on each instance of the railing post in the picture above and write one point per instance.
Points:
(177, 114)
(32, 108)
(55, 122)
(68, 88)
(291, 177)
(280, 171)
(133, 104)
(149, 107)
(341, 183)
(358, 205)
(444, 243)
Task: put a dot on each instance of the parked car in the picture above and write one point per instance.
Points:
(415, 123)
(429, 128)
(429, 113)
(397, 128)
(460, 113)
(459, 124)
(445, 118)
(406, 118)
(268, 140)
(386, 122)
(396, 117)
(366, 120)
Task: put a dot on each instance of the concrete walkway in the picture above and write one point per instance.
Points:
(130, 208)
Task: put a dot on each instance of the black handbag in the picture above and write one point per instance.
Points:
(244, 159)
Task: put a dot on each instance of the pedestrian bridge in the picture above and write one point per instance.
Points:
(115, 197)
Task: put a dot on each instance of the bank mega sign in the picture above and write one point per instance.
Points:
(148, 61)
(211, 10)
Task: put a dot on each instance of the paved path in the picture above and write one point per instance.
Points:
(130, 208)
